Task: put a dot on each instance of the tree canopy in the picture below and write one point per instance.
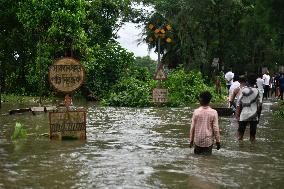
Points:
(241, 33)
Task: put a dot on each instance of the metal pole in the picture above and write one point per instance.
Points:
(159, 51)
(159, 58)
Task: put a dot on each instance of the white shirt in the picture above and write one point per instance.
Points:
(229, 76)
(259, 84)
(266, 79)
(235, 85)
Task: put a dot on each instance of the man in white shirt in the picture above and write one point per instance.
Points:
(229, 76)
(266, 79)
(235, 85)
(260, 84)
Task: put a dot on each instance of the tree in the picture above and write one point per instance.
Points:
(237, 32)
(34, 33)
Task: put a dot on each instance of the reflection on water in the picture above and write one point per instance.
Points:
(139, 148)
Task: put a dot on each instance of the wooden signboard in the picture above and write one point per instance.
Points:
(66, 75)
(67, 124)
(160, 95)
(160, 74)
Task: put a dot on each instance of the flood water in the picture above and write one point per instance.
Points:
(139, 148)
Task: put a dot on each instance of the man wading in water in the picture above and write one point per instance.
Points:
(204, 127)
(248, 108)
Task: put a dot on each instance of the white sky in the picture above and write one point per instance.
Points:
(129, 35)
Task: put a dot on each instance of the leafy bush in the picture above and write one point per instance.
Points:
(133, 91)
(109, 65)
(184, 88)
(280, 110)
(136, 90)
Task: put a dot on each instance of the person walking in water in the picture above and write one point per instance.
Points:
(229, 76)
(248, 107)
(259, 85)
(204, 127)
(281, 85)
(266, 79)
(235, 94)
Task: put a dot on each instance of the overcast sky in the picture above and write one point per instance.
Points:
(129, 35)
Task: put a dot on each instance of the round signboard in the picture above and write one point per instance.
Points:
(66, 75)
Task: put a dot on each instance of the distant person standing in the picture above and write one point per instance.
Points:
(204, 127)
(272, 86)
(248, 107)
(281, 85)
(229, 76)
(218, 85)
(236, 84)
(236, 92)
(266, 79)
(277, 87)
(259, 85)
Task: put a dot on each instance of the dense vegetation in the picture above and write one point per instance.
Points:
(243, 34)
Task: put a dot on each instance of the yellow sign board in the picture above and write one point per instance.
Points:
(66, 124)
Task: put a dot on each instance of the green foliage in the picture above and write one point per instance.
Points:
(245, 35)
(146, 62)
(34, 33)
(19, 132)
(132, 91)
(136, 91)
(185, 87)
(110, 63)
(280, 110)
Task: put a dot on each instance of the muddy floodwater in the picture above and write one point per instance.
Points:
(138, 148)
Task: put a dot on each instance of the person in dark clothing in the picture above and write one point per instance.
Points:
(276, 82)
(281, 85)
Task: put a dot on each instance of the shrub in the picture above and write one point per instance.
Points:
(184, 88)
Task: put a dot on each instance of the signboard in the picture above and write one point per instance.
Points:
(160, 74)
(69, 123)
(66, 75)
(160, 95)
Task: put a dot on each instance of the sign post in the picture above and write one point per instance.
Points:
(160, 95)
(67, 75)
(159, 33)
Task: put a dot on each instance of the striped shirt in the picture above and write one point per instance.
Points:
(204, 127)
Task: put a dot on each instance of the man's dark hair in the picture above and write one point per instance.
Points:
(236, 77)
(242, 79)
(251, 79)
(205, 97)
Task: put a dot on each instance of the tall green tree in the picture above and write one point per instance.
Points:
(34, 33)
(238, 32)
